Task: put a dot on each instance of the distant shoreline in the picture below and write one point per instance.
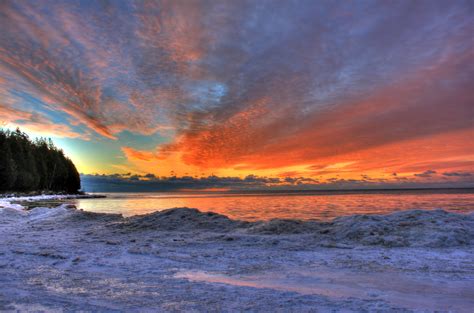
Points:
(299, 192)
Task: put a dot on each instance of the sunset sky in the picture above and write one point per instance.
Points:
(293, 93)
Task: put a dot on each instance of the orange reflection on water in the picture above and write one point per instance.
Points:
(267, 206)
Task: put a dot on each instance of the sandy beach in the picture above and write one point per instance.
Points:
(64, 259)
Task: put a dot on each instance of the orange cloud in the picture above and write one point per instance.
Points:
(36, 123)
(133, 154)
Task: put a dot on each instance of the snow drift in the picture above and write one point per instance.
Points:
(186, 260)
(414, 228)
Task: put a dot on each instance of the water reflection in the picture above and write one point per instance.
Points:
(418, 292)
(267, 206)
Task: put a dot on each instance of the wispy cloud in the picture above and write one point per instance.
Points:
(348, 87)
(36, 123)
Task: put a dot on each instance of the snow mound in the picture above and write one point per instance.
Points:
(83, 216)
(5, 204)
(11, 215)
(417, 228)
(63, 214)
(181, 219)
(44, 213)
(414, 228)
(284, 226)
(69, 216)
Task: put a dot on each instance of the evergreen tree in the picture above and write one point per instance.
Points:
(40, 153)
(73, 181)
(7, 165)
(39, 165)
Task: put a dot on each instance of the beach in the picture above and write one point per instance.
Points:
(64, 259)
(236, 156)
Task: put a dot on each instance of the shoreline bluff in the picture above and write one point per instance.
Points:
(66, 259)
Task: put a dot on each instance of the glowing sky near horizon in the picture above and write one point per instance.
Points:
(361, 90)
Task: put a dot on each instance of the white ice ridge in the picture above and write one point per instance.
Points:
(186, 260)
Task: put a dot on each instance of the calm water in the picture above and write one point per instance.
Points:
(264, 206)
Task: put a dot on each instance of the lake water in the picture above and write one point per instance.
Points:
(291, 205)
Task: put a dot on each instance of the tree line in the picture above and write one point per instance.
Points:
(38, 165)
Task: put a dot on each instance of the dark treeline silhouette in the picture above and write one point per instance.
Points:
(27, 165)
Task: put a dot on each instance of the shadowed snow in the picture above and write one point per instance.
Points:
(185, 260)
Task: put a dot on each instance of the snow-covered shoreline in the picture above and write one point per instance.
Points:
(42, 197)
(12, 201)
(66, 259)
